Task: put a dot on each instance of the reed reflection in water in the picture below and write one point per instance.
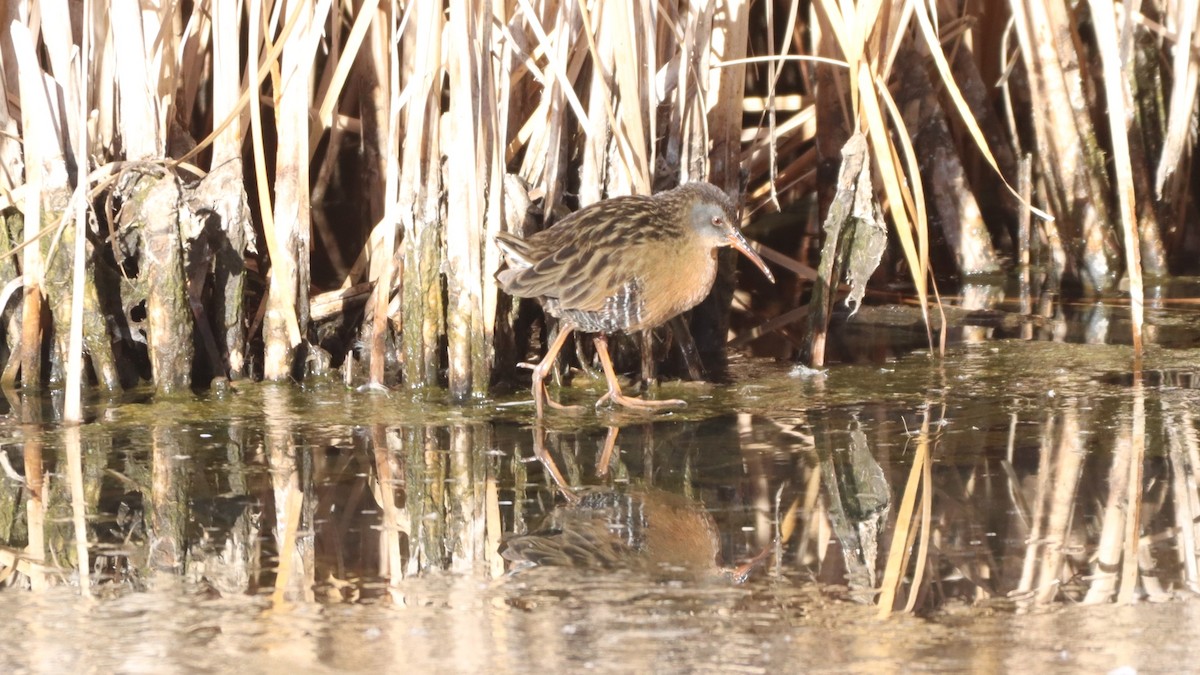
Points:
(1089, 495)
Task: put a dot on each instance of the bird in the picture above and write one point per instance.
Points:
(643, 529)
(622, 265)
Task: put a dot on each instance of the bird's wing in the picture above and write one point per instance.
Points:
(588, 284)
(573, 262)
(517, 252)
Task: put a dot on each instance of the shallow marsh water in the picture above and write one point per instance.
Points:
(1058, 490)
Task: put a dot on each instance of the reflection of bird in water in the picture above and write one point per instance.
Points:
(644, 529)
(623, 264)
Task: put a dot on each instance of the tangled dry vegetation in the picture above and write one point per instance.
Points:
(274, 188)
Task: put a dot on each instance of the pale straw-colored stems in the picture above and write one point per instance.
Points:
(1117, 97)
(45, 172)
(1182, 15)
(419, 196)
(472, 144)
(289, 282)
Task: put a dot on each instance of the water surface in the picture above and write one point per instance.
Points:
(1043, 498)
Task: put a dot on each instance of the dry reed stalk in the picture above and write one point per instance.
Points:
(499, 204)
(790, 138)
(419, 199)
(729, 34)
(546, 152)
(72, 404)
(869, 97)
(636, 104)
(598, 130)
(906, 205)
(195, 47)
(772, 83)
(229, 275)
(384, 57)
(41, 145)
(328, 91)
(1186, 79)
(286, 317)
(968, 119)
(1116, 94)
(154, 208)
(471, 146)
(1077, 184)
(290, 275)
(693, 94)
(371, 89)
(10, 150)
(139, 61)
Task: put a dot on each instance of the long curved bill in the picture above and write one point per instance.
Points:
(739, 242)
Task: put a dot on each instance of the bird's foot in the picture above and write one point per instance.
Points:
(540, 394)
(617, 398)
(565, 408)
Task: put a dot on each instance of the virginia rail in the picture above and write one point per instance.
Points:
(623, 264)
(644, 530)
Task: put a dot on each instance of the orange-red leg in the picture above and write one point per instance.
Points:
(542, 369)
(614, 387)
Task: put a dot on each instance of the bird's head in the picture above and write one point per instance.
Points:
(713, 216)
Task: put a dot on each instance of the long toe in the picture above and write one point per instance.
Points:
(540, 395)
(558, 406)
(565, 408)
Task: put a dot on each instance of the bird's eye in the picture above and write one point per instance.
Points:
(718, 221)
